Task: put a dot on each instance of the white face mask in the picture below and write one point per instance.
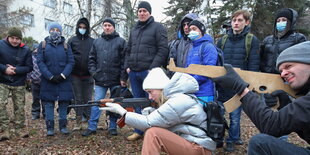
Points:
(82, 31)
(193, 35)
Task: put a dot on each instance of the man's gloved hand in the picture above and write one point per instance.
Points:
(283, 97)
(146, 111)
(231, 80)
(59, 78)
(113, 107)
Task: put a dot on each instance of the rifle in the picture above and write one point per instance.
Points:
(259, 82)
(128, 103)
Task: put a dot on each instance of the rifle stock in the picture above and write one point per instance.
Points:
(259, 82)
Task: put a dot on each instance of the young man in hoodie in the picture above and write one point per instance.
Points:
(15, 63)
(179, 48)
(82, 81)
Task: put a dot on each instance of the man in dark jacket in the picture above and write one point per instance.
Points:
(179, 48)
(82, 81)
(294, 66)
(284, 36)
(15, 63)
(106, 64)
(235, 53)
(147, 48)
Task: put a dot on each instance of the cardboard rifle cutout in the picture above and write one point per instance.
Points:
(259, 82)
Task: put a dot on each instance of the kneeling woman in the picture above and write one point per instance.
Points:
(166, 128)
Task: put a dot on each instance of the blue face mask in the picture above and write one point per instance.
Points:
(193, 35)
(82, 31)
(281, 26)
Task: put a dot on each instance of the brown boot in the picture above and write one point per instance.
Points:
(5, 135)
(133, 137)
(78, 123)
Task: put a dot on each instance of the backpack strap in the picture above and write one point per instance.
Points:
(65, 46)
(43, 44)
(224, 39)
(248, 44)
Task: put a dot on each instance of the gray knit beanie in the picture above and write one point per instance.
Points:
(297, 53)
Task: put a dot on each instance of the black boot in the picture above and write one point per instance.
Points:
(50, 127)
(63, 126)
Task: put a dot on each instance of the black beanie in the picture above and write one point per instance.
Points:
(200, 25)
(109, 20)
(16, 32)
(287, 13)
(145, 5)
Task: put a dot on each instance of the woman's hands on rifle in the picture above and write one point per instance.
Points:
(114, 107)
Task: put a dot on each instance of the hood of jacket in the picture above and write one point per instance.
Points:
(181, 83)
(293, 23)
(109, 36)
(233, 36)
(190, 16)
(86, 22)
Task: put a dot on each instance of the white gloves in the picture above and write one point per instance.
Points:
(146, 111)
(114, 107)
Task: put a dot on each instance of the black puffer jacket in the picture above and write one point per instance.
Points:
(273, 45)
(147, 47)
(106, 60)
(81, 45)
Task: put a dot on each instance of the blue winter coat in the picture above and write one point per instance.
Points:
(19, 57)
(206, 56)
(53, 61)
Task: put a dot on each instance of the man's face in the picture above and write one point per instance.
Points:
(185, 27)
(296, 74)
(82, 26)
(282, 19)
(143, 15)
(108, 28)
(14, 41)
(238, 23)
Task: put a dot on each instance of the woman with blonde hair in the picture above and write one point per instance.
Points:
(167, 127)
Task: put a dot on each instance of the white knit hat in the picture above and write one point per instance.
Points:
(156, 79)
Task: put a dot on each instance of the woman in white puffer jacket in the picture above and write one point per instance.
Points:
(166, 128)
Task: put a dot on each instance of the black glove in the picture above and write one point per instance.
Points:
(59, 78)
(231, 80)
(283, 97)
(54, 79)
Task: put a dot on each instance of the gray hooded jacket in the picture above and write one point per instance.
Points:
(176, 111)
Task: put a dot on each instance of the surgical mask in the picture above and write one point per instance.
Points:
(82, 31)
(193, 35)
(281, 26)
(55, 35)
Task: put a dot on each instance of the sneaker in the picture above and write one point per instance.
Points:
(113, 132)
(64, 131)
(219, 144)
(5, 135)
(133, 137)
(88, 133)
(35, 117)
(229, 147)
(50, 133)
(239, 142)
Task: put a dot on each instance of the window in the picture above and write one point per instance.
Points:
(68, 8)
(50, 3)
(47, 23)
(27, 19)
(68, 29)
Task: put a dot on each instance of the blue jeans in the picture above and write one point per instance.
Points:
(234, 125)
(136, 81)
(82, 89)
(62, 110)
(266, 144)
(95, 113)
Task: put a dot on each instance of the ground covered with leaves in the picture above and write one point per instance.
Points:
(101, 143)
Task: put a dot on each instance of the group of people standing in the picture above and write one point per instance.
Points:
(63, 71)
